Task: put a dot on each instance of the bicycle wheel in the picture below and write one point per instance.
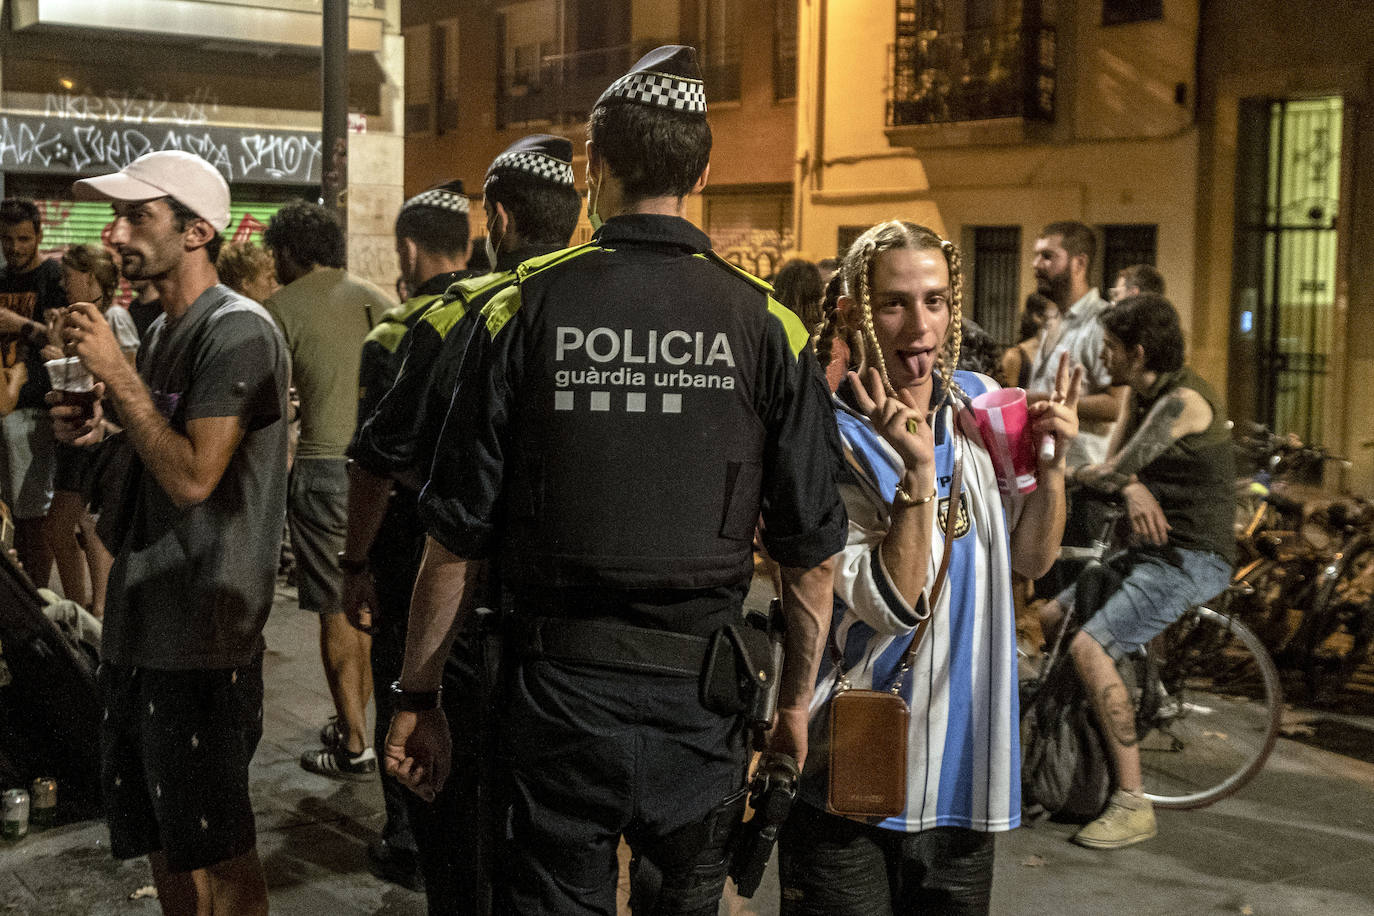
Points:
(1210, 702)
(1342, 628)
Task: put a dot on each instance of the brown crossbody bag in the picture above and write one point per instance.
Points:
(868, 728)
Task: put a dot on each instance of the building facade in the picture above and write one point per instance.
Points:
(480, 74)
(987, 119)
(1286, 216)
(87, 86)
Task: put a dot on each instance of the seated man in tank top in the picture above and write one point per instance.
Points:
(1170, 462)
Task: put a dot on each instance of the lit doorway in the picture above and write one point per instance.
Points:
(1288, 184)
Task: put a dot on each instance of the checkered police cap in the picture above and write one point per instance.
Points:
(448, 196)
(666, 77)
(541, 157)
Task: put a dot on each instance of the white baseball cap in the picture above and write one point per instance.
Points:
(169, 173)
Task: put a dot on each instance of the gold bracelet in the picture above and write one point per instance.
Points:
(903, 498)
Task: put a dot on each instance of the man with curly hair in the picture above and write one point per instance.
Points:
(325, 313)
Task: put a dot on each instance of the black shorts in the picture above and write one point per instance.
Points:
(175, 748)
(74, 468)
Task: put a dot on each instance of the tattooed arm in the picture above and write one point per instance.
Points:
(1181, 413)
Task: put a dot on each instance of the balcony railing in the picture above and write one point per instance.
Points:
(970, 76)
(563, 87)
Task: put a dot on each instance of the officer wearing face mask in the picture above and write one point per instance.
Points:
(532, 208)
(624, 411)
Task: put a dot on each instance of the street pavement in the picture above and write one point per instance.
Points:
(1297, 840)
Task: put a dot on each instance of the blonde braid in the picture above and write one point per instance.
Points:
(829, 327)
(870, 334)
(948, 360)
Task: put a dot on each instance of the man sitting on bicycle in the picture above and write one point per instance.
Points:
(1170, 462)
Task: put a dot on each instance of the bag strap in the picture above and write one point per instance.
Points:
(956, 486)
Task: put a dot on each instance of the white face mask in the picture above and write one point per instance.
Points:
(593, 192)
(492, 245)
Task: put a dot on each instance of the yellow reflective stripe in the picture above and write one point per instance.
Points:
(526, 269)
(443, 317)
(472, 287)
(501, 309)
(737, 270)
(391, 328)
(797, 335)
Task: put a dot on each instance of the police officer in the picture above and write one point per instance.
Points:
(624, 411)
(532, 208)
(432, 245)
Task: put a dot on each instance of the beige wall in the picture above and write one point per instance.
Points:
(954, 177)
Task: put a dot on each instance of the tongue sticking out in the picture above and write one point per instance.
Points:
(919, 364)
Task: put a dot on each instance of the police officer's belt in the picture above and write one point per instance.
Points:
(609, 645)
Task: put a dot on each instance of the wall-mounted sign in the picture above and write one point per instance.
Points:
(61, 146)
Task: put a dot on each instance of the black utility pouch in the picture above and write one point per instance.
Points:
(739, 665)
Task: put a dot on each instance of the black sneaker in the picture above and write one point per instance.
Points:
(399, 866)
(339, 764)
(333, 735)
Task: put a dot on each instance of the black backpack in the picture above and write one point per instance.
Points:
(1066, 770)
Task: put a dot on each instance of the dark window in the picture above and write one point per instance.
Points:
(1124, 245)
(984, 60)
(1119, 12)
(720, 51)
(846, 236)
(418, 118)
(785, 50)
(996, 275)
(979, 14)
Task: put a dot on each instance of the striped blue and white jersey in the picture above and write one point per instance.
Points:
(963, 749)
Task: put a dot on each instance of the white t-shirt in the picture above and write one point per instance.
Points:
(125, 331)
(963, 747)
(1080, 335)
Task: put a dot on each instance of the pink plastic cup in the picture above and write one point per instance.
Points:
(1003, 420)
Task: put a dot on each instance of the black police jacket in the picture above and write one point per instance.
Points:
(626, 411)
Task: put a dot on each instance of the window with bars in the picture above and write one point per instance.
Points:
(1288, 200)
(996, 281)
(1121, 12)
(785, 50)
(1127, 244)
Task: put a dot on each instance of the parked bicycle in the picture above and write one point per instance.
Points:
(1207, 693)
(1308, 562)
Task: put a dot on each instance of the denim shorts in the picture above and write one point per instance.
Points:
(1153, 595)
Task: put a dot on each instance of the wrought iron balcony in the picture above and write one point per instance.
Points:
(970, 76)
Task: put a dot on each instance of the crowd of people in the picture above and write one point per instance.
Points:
(524, 504)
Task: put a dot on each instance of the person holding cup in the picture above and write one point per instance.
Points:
(88, 275)
(912, 451)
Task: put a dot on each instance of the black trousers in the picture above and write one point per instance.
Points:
(595, 754)
(452, 833)
(832, 866)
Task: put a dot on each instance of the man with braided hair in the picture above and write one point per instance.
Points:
(903, 439)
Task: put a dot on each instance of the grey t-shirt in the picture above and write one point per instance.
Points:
(191, 588)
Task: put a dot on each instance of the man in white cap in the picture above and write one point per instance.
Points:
(194, 516)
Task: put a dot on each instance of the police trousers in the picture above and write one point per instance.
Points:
(595, 754)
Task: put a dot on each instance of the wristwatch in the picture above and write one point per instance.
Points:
(351, 566)
(414, 700)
